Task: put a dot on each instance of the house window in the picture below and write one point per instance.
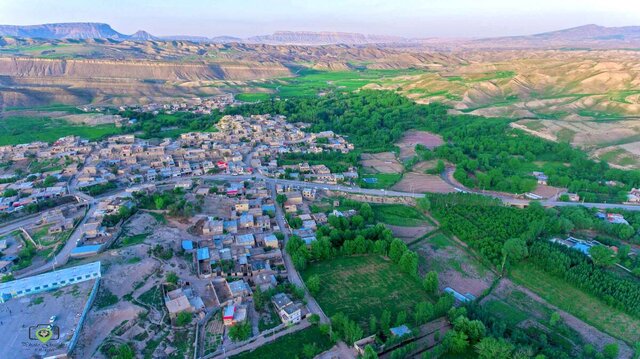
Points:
(87, 276)
(36, 288)
(28, 290)
(54, 283)
(19, 292)
(45, 286)
(71, 280)
(79, 278)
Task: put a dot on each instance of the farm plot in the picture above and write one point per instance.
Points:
(421, 182)
(290, 346)
(408, 143)
(518, 307)
(399, 215)
(363, 286)
(384, 162)
(456, 268)
(584, 306)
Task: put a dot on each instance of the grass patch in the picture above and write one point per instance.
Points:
(440, 241)
(510, 314)
(399, 215)
(133, 240)
(584, 306)
(159, 217)
(152, 298)
(37, 301)
(383, 180)
(565, 135)
(534, 125)
(364, 285)
(105, 298)
(290, 346)
(19, 129)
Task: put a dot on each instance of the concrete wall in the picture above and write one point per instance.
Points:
(83, 316)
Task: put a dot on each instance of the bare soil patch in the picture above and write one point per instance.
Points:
(411, 138)
(455, 268)
(384, 162)
(548, 191)
(100, 323)
(421, 182)
(408, 234)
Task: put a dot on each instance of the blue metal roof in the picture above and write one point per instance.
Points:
(203, 253)
(86, 249)
(582, 248)
(187, 245)
(400, 331)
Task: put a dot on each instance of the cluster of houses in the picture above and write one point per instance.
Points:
(242, 145)
(97, 234)
(21, 186)
(239, 250)
(195, 105)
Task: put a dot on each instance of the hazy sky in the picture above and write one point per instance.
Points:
(411, 18)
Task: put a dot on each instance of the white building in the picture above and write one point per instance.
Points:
(49, 281)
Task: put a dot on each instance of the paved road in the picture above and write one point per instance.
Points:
(260, 341)
(292, 273)
(62, 257)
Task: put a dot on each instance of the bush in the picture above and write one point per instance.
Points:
(183, 319)
(240, 332)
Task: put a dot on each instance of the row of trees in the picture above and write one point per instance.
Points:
(504, 234)
(373, 120)
(577, 269)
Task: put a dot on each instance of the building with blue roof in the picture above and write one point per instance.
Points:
(85, 251)
(203, 254)
(187, 245)
(270, 207)
(245, 240)
(400, 331)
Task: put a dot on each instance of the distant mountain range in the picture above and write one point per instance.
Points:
(585, 36)
(582, 36)
(89, 30)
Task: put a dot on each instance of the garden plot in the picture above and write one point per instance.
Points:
(362, 286)
(455, 267)
(519, 307)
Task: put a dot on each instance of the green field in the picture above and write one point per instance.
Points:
(364, 285)
(290, 346)
(584, 306)
(399, 215)
(510, 314)
(253, 96)
(310, 83)
(385, 180)
(16, 130)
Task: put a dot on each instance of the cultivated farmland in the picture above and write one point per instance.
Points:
(362, 286)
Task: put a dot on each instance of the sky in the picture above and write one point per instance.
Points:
(407, 18)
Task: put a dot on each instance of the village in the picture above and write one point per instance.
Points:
(79, 207)
(183, 238)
